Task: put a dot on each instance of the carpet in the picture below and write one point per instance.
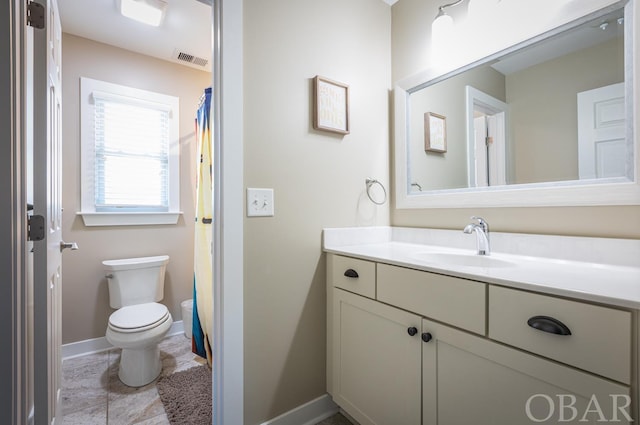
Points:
(186, 396)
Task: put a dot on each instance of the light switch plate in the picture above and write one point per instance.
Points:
(260, 202)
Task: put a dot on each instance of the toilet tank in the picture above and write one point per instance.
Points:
(135, 280)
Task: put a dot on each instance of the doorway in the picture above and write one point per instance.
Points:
(228, 337)
(487, 123)
(228, 322)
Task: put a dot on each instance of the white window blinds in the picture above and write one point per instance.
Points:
(131, 154)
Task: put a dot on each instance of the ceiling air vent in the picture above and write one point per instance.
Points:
(189, 58)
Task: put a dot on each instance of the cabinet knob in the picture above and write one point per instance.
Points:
(351, 273)
(548, 324)
(426, 336)
(412, 330)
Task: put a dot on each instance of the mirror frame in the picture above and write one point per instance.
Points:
(562, 193)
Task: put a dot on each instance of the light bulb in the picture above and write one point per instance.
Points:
(441, 38)
(442, 28)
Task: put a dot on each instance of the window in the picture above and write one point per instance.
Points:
(130, 155)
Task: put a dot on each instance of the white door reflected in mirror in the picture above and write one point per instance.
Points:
(602, 147)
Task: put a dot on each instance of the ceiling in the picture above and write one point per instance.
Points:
(186, 29)
(582, 37)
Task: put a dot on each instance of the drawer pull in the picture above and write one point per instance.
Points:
(549, 324)
(351, 273)
(412, 330)
(426, 337)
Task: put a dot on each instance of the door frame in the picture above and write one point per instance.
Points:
(13, 228)
(228, 261)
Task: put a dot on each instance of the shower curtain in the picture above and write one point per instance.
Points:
(202, 286)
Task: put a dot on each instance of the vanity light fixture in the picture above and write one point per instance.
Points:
(442, 34)
(443, 24)
(150, 12)
(476, 8)
(443, 37)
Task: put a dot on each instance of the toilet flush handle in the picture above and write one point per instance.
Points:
(68, 245)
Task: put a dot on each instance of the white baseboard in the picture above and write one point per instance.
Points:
(307, 414)
(96, 345)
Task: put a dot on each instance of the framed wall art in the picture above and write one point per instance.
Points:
(435, 132)
(330, 105)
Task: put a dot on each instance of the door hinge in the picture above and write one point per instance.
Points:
(35, 228)
(35, 15)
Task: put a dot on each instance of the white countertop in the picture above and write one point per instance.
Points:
(592, 269)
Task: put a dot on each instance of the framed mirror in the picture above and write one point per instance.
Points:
(546, 122)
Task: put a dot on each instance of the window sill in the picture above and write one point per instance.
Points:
(128, 218)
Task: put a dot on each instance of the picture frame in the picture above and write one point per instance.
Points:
(435, 132)
(330, 105)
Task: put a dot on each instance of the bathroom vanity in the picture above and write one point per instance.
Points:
(422, 330)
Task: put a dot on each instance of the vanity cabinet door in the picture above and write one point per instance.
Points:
(376, 361)
(472, 380)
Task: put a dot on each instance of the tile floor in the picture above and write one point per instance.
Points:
(92, 394)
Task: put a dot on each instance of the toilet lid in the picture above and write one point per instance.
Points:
(138, 316)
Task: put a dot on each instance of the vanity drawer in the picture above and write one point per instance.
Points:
(599, 339)
(451, 300)
(352, 274)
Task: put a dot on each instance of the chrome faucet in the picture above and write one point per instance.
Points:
(482, 234)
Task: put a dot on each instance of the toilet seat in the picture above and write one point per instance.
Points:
(139, 317)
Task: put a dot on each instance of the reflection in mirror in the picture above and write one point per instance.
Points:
(552, 112)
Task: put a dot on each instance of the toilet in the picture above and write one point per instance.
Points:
(140, 322)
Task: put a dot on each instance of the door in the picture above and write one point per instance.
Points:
(602, 145)
(47, 261)
(472, 380)
(487, 138)
(376, 361)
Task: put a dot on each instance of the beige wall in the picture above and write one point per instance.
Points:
(318, 177)
(85, 299)
(410, 48)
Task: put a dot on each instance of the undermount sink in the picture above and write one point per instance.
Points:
(464, 260)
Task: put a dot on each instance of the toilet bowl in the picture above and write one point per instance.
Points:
(137, 330)
(140, 322)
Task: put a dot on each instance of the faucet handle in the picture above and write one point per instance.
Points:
(482, 222)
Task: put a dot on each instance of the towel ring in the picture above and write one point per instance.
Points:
(370, 182)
